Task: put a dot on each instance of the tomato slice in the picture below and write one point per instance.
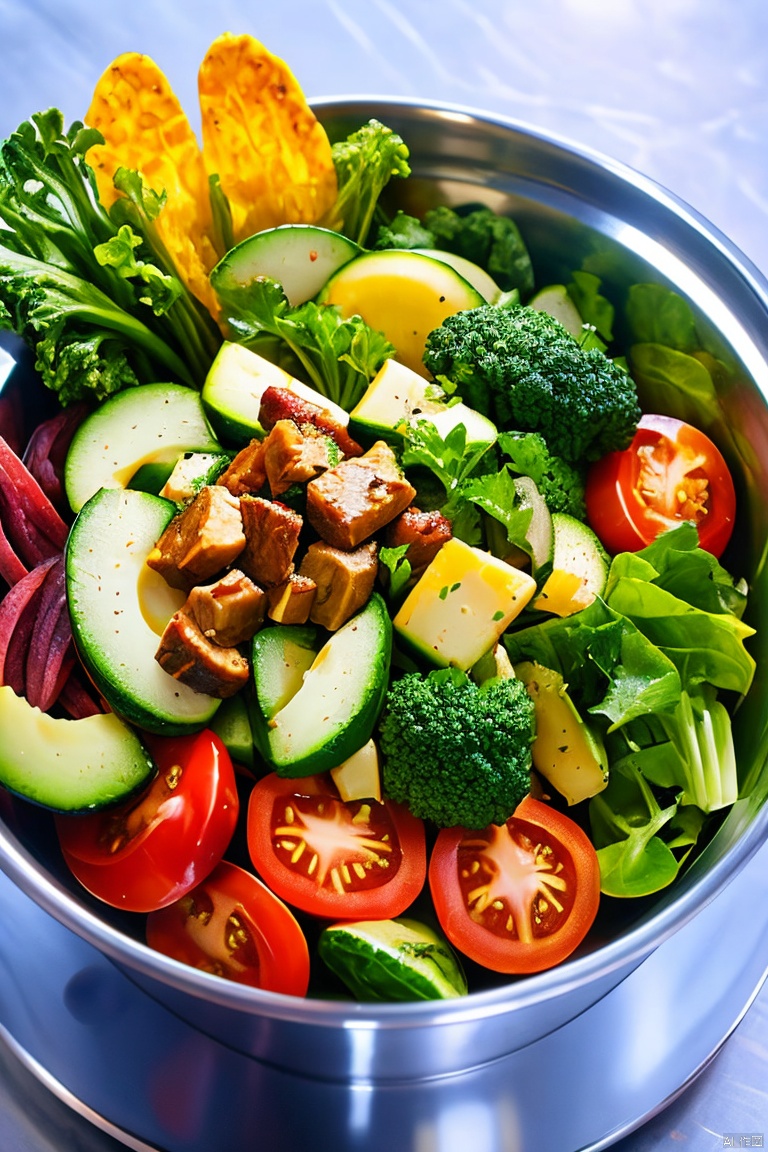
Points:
(670, 473)
(346, 860)
(233, 926)
(516, 897)
(149, 851)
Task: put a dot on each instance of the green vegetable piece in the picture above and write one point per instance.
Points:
(454, 751)
(392, 960)
(365, 163)
(69, 765)
(486, 238)
(522, 368)
(640, 845)
(313, 721)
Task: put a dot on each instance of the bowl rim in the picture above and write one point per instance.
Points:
(630, 946)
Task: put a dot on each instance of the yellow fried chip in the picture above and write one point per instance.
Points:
(260, 136)
(145, 128)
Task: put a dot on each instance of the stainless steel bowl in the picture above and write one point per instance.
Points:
(572, 206)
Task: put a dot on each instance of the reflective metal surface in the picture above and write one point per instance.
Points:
(146, 1076)
(567, 68)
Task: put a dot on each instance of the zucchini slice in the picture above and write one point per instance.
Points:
(235, 384)
(318, 712)
(149, 424)
(119, 608)
(301, 257)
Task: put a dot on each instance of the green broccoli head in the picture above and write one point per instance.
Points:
(522, 368)
(560, 482)
(457, 753)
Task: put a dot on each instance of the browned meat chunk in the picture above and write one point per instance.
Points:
(348, 503)
(246, 473)
(294, 455)
(201, 541)
(283, 404)
(423, 532)
(271, 539)
(291, 602)
(191, 658)
(344, 581)
(230, 611)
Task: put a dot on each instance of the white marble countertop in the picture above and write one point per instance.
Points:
(677, 89)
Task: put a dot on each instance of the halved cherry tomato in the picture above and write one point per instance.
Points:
(149, 851)
(232, 925)
(348, 860)
(671, 472)
(516, 897)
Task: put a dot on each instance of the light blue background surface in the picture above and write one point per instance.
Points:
(677, 89)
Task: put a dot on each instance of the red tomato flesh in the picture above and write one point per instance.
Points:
(149, 851)
(331, 858)
(232, 926)
(670, 473)
(517, 897)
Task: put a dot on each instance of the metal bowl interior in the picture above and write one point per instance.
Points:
(575, 210)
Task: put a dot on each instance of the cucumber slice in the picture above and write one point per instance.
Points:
(477, 276)
(397, 393)
(392, 960)
(233, 727)
(403, 294)
(579, 568)
(69, 765)
(555, 301)
(119, 608)
(301, 257)
(541, 534)
(281, 655)
(337, 699)
(235, 384)
(149, 424)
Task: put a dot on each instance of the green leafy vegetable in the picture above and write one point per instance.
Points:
(365, 163)
(339, 357)
(100, 304)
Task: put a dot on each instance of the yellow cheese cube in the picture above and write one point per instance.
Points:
(462, 604)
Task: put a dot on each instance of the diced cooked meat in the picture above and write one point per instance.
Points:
(187, 655)
(348, 503)
(201, 541)
(246, 473)
(423, 532)
(229, 611)
(271, 539)
(291, 602)
(284, 404)
(294, 455)
(344, 581)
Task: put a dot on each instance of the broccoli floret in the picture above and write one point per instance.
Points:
(560, 482)
(404, 231)
(522, 368)
(456, 752)
(486, 238)
(365, 163)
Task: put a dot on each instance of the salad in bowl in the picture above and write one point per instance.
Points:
(374, 616)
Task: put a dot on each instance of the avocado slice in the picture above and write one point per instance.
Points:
(69, 765)
(566, 751)
(150, 425)
(119, 608)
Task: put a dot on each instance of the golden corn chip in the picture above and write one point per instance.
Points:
(260, 136)
(145, 128)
